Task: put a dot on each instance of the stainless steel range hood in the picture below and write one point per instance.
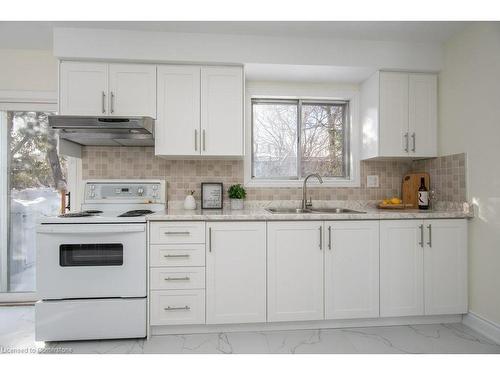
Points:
(105, 130)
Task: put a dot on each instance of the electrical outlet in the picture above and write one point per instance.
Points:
(372, 181)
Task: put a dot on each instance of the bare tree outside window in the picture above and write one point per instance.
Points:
(320, 127)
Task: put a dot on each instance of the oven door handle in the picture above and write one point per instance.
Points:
(89, 228)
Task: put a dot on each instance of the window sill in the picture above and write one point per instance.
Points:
(327, 183)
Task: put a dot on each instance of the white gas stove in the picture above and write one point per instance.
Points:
(91, 265)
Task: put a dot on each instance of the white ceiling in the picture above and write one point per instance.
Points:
(38, 35)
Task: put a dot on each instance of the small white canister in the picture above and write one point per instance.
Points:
(189, 202)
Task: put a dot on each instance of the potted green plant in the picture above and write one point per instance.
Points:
(237, 193)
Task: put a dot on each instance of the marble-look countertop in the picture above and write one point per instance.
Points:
(258, 212)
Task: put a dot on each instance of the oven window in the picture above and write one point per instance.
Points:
(108, 254)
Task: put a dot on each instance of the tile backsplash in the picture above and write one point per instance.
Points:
(447, 175)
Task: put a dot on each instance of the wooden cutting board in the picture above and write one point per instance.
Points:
(410, 185)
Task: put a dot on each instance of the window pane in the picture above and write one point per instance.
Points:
(274, 140)
(323, 140)
(36, 175)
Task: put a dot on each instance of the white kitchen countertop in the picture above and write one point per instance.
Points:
(260, 214)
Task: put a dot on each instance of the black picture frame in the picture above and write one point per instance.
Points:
(217, 205)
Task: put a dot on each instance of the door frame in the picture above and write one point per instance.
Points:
(20, 101)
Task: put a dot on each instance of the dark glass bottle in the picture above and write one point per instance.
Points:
(423, 196)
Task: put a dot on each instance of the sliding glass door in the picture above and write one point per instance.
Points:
(33, 179)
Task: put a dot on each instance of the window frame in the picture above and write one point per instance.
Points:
(300, 103)
(274, 92)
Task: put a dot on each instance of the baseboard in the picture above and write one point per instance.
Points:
(484, 326)
(319, 324)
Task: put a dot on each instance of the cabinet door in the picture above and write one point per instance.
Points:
(132, 90)
(351, 269)
(83, 88)
(423, 114)
(401, 268)
(236, 272)
(222, 111)
(178, 123)
(294, 271)
(393, 132)
(445, 266)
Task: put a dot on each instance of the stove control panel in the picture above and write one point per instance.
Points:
(136, 191)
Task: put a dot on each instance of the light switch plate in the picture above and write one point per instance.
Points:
(372, 181)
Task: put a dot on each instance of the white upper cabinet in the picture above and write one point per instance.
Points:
(295, 270)
(83, 88)
(236, 272)
(222, 111)
(393, 130)
(351, 269)
(399, 115)
(177, 130)
(200, 111)
(401, 268)
(94, 89)
(132, 90)
(422, 126)
(445, 266)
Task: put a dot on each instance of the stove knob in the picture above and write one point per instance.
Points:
(140, 191)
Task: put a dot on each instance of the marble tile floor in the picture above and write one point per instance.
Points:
(17, 331)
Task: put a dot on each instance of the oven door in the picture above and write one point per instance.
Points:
(91, 260)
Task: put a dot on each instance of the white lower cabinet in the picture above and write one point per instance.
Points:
(423, 267)
(401, 268)
(231, 272)
(351, 269)
(236, 272)
(295, 271)
(445, 267)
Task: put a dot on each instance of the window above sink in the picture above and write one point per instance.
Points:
(291, 133)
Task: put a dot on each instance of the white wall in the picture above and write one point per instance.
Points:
(27, 70)
(469, 108)
(217, 48)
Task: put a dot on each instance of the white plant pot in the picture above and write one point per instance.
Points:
(236, 204)
(189, 203)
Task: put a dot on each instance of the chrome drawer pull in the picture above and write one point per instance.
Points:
(430, 235)
(170, 308)
(186, 278)
(176, 256)
(178, 233)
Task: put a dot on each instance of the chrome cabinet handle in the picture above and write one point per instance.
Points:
(321, 237)
(196, 139)
(329, 237)
(203, 140)
(421, 243)
(430, 235)
(112, 109)
(176, 255)
(406, 142)
(103, 102)
(173, 308)
(178, 233)
(413, 136)
(186, 278)
(209, 239)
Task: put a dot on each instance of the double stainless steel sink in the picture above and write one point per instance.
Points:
(313, 211)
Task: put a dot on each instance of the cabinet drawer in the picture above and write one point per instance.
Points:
(177, 232)
(177, 307)
(166, 278)
(177, 255)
